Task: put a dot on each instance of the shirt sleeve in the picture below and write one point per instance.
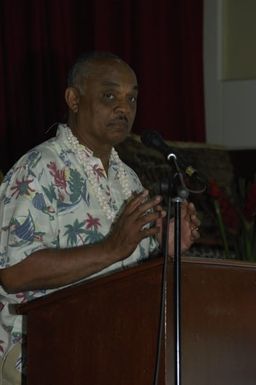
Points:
(27, 214)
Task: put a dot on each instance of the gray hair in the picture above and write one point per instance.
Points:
(83, 67)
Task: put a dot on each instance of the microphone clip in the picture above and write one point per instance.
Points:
(178, 188)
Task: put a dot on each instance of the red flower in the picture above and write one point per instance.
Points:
(228, 211)
(236, 215)
(214, 189)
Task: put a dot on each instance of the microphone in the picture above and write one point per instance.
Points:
(153, 139)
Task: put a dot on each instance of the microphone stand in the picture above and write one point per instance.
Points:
(177, 289)
(180, 193)
(178, 190)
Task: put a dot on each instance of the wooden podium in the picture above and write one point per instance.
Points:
(105, 331)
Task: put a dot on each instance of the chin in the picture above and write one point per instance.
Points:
(118, 136)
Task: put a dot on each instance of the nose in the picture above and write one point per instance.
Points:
(125, 107)
(122, 106)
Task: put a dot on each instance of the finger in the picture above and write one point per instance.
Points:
(149, 232)
(135, 202)
(191, 214)
(185, 211)
(159, 209)
(143, 208)
(195, 221)
(195, 234)
(188, 209)
(191, 207)
(159, 222)
(152, 218)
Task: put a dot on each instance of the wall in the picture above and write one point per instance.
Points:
(230, 72)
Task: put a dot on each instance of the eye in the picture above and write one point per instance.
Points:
(108, 96)
(133, 99)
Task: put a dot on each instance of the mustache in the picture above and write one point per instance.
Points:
(119, 118)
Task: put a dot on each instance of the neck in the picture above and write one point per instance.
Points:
(104, 160)
(102, 152)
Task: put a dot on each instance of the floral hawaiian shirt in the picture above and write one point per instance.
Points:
(46, 201)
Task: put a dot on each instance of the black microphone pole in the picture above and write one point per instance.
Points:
(177, 193)
(177, 196)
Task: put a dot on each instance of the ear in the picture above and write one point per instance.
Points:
(72, 98)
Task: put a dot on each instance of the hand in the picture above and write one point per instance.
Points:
(189, 228)
(137, 221)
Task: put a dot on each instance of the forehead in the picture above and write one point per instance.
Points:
(111, 72)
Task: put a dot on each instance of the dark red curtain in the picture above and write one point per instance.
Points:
(39, 40)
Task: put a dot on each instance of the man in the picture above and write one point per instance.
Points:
(70, 208)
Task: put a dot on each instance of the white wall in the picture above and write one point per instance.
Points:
(230, 104)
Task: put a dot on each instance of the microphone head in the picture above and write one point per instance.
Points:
(154, 139)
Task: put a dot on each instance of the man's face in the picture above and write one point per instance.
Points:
(107, 107)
